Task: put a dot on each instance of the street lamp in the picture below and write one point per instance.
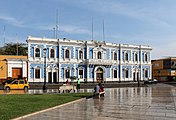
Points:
(44, 53)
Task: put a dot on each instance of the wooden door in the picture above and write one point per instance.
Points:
(17, 73)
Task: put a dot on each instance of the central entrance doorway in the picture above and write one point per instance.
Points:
(99, 75)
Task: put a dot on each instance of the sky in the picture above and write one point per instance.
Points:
(137, 22)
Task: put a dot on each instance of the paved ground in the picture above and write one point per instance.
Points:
(133, 103)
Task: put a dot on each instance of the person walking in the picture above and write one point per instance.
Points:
(78, 85)
(96, 89)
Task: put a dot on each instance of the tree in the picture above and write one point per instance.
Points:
(14, 49)
(1, 51)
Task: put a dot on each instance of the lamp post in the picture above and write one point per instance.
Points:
(73, 78)
(44, 85)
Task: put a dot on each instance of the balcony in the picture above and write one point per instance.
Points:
(99, 62)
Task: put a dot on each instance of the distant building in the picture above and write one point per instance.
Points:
(164, 69)
(90, 61)
(13, 67)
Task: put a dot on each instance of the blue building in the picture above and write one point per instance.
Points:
(90, 61)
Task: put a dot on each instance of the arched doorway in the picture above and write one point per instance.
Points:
(99, 75)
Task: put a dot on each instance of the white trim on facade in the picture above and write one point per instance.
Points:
(90, 62)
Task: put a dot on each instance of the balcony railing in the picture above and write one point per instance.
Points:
(99, 62)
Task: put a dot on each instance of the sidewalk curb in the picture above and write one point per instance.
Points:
(45, 110)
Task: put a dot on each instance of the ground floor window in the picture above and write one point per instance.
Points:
(80, 73)
(115, 73)
(67, 73)
(126, 74)
(37, 73)
(146, 73)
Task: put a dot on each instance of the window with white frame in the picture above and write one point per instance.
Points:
(115, 56)
(126, 73)
(126, 56)
(37, 52)
(145, 57)
(115, 73)
(37, 73)
(136, 57)
(67, 53)
(80, 54)
(52, 53)
(99, 55)
(146, 73)
(67, 73)
(80, 73)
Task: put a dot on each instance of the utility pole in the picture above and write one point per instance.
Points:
(56, 23)
(103, 32)
(17, 44)
(4, 34)
(92, 28)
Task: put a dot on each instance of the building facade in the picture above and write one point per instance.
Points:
(90, 61)
(164, 69)
(13, 67)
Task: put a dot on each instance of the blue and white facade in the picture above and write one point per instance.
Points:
(90, 61)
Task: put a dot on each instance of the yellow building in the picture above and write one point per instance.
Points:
(164, 69)
(14, 67)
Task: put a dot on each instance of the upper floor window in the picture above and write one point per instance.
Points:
(80, 54)
(37, 52)
(99, 55)
(146, 57)
(67, 54)
(115, 73)
(115, 56)
(126, 56)
(37, 73)
(52, 53)
(136, 57)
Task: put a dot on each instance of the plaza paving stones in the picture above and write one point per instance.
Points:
(155, 102)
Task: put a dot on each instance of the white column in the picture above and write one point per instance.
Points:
(74, 72)
(9, 70)
(140, 73)
(110, 54)
(73, 52)
(60, 74)
(131, 55)
(120, 62)
(52, 75)
(24, 69)
(87, 73)
(112, 74)
(60, 52)
(29, 69)
(87, 57)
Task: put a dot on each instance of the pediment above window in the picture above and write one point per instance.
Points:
(99, 49)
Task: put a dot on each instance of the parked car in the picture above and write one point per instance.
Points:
(7, 82)
(17, 84)
(151, 81)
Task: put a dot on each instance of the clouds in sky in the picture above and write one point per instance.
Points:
(126, 21)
